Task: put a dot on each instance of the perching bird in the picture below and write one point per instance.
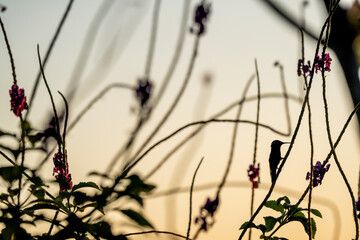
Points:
(275, 157)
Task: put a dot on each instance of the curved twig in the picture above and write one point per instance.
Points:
(47, 55)
(162, 232)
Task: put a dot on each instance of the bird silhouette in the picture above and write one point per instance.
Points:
(275, 157)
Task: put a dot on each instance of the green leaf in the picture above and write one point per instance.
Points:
(80, 198)
(299, 214)
(15, 232)
(313, 226)
(13, 192)
(261, 227)
(84, 185)
(138, 218)
(55, 202)
(316, 213)
(103, 229)
(99, 175)
(284, 198)
(44, 205)
(305, 223)
(36, 182)
(93, 205)
(137, 185)
(269, 223)
(244, 225)
(26, 126)
(4, 197)
(12, 173)
(39, 193)
(275, 206)
(34, 138)
(137, 198)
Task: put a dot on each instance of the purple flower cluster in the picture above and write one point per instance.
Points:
(303, 68)
(254, 176)
(358, 207)
(318, 173)
(2, 8)
(325, 63)
(207, 213)
(201, 15)
(143, 91)
(320, 64)
(61, 171)
(18, 99)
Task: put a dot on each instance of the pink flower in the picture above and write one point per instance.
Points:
(206, 218)
(143, 91)
(18, 99)
(321, 64)
(202, 12)
(303, 68)
(61, 171)
(254, 176)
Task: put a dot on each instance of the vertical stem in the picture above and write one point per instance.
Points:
(47, 55)
(58, 139)
(22, 154)
(52, 223)
(296, 128)
(329, 133)
(153, 34)
(173, 105)
(256, 140)
(310, 133)
(336, 159)
(9, 51)
(191, 192)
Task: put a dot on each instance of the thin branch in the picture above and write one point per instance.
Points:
(174, 103)
(225, 110)
(256, 140)
(9, 51)
(161, 232)
(264, 186)
(177, 53)
(58, 138)
(66, 120)
(153, 34)
(287, 17)
(191, 193)
(295, 131)
(47, 55)
(126, 170)
(101, 94)
(24, 173)
(328, 130)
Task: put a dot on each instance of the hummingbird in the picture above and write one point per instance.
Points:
(275, 157)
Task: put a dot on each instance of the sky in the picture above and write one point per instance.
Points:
(237, 33)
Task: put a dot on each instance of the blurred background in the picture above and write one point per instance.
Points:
(237, 33)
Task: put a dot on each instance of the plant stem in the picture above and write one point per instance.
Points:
(126, 170)
(9, 51)
(47, 55)
(52, 223)
(173, 105)
(191, 193)
(296, 128)
(219, 114)
(153, 34)
(256, 140)
(57, 125)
